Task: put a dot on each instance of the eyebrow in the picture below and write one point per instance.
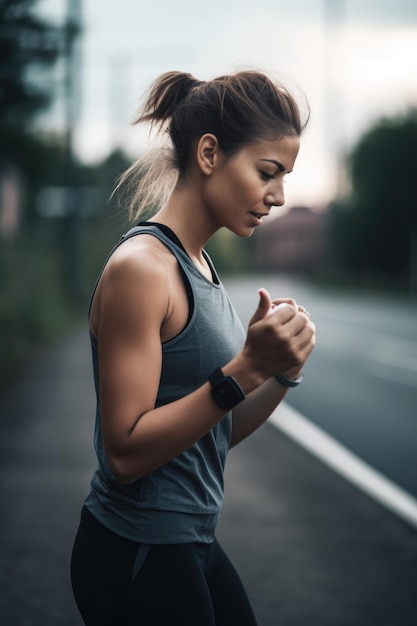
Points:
(279, 165)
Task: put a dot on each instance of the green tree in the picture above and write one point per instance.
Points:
(374, 226)
(28, 46)
(32, 303)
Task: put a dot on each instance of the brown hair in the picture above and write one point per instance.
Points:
(238, 109)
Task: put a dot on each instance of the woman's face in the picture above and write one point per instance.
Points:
(242, 189)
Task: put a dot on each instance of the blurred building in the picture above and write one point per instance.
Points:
(293, 243)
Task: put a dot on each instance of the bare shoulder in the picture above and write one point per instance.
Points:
(136, 279)
(143, 255)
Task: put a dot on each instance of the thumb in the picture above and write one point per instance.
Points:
(264, 306)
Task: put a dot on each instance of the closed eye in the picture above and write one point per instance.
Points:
(266, 176)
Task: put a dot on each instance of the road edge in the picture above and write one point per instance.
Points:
(344, 462)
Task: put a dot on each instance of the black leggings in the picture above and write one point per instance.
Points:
(119, 582)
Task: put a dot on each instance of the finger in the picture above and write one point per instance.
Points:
(306, 338)
(283, 312)
(290, 301)
(264, 305)
(274, 307)
(303, 310)
(298, 323)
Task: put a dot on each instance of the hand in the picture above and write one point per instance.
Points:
(295, 372)
(280, 337)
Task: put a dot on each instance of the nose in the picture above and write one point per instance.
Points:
(275, 196)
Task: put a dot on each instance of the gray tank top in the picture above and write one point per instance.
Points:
(180, 501)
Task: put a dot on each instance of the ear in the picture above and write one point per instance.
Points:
(208, 152)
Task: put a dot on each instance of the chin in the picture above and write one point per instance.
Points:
(246, 234)
(243, 233)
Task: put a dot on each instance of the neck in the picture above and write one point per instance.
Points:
(183, 213)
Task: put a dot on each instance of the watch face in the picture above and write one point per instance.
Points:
(227, 393)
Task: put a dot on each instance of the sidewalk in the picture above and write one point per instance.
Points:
(311, 548)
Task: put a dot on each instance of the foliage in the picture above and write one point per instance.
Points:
(34, 308)
(373, 226)
(36, 305)
(28, 45)
(48, 266)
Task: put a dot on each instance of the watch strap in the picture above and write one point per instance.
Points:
(288, 382)
(216, 376)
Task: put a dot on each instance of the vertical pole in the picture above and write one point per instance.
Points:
(334, 67)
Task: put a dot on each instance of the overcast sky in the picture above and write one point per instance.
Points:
(355, 59)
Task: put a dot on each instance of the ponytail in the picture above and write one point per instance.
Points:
(164, 96)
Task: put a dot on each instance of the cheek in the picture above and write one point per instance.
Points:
(232, 191)
(242, 187)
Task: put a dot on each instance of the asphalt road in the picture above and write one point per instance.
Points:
(361, 381)
(311, 548)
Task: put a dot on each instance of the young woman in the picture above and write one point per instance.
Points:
(178, 380)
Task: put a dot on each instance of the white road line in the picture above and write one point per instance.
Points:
(344, 462)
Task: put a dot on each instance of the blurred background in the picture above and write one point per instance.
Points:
(72, 73)
(72, 76)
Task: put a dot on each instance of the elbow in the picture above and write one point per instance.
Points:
(121, 474)
(122, 469)
(130, 461)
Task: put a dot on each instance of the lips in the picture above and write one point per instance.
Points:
(259, 216)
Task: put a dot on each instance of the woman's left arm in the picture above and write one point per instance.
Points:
(256, 409)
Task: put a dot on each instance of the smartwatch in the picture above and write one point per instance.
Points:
(225, 390)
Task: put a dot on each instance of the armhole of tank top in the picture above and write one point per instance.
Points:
(190, 297)
(186, 281)
(216, 279)
(174, 239)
